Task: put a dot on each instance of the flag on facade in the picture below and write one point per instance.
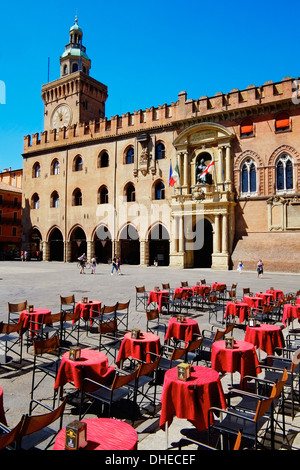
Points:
(174, 175)
(208, 169)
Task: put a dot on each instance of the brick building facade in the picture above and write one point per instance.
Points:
(101, 186)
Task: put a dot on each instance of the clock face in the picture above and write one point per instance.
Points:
(61, 117)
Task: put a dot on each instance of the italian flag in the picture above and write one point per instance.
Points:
(174, 175)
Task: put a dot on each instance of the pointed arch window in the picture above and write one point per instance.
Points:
(248, 177)
(160, 151)
(159, 192)
(55, 167)
(54, 200)
(36, 170)
(35, 201)
(77, 197)
(284, 174)
(130, 193)
(129, 156)
(78, 163)
(102, 195)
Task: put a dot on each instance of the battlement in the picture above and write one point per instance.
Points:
(164, 115)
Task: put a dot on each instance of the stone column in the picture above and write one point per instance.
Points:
(186, 169)
(180, 235)
(144, 252)
(89, 250)
(217, 234)
(225, 234)
(228, 163)
(67, 251)
(46, 250)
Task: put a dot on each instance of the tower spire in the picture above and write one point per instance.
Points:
(74, 57)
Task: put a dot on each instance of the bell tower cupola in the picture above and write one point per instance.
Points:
(74, 58)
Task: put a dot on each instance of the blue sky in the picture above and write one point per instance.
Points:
(145, 52)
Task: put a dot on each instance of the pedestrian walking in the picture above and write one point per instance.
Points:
(260, 268)
(119, 264)
(240, 267)
(82, 261)
(114, 266)
(93, 266)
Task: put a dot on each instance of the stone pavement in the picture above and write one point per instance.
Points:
(41, 284)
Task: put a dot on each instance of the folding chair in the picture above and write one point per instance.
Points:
(141, 297)
(67, 303)
(9, 437)
(172, 356)
(110, 337)
(122, 387)
(14, 311)
(147, 377)
(154, 325)
(37, 428)
(193, 352)
(122, 314)
(46, 361)
(70, 326)
(186, 441)
(11, 336)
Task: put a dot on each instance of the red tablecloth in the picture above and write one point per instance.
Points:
(242, 358)
(277, 294)
(188, 291)
(92, 364)
(104, 434)
(137, 348)
(252, 302)
(265, 337)
(32, 320)
(88, 309)
(160, 297)
(238, 309)
(191, 399)
(182, 330)
(266, 298)
(217, 286)
(2, 412)
(290, 311)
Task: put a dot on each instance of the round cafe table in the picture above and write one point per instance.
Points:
(238, 309)
(159, 297)
(2, 412)
(252, 302)
(242, 358)
(32, 320)
(183, 330)
(191, 399)
(265, 337)
(137, 348)
(290, 312)
(104, 434)
(88, 310)
(92, 364)
(267, 298)
(276, 293)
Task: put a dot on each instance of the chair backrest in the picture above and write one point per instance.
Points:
(262, 407)
(123, 306)
(231, 293)
(37, 423)
(246, 290)
(184, 283)
(229, 328)
(123, 379)
(278, 386)
(8, 328)
(203, 281)
(12, 436)
(178, 353)
(53, 318)
(12, 308)
(195, 343)
(146, 368)
(70, 299)
(109, 308)
(140, 290)
(212, 298)
(152, 314)
(44, 346)
(219, 334)
(108, 327)
(165, 286)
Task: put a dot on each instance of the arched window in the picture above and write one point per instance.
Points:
(77, 197)
(103, 195)
(35, 201)
(54, 199)
(129, 156)
(103, 161)
(130, 193)
(248, 177)
(55, 167)
(65, 70)
(159, 151)
(246, 129)
(78, 163)
(75, 67)
(159, 192)
(284, 173)
(282, 122)
(36, 170)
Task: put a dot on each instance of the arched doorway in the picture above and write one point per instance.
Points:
(203, 254)
(35, 242)
(129, 245)
(159, 245)
(56, 243)
(78, 243)
(103, 244)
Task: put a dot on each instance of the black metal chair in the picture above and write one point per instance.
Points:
(11, 337)
(110, 337)
(14, 311)
(141, 297)
(154, 324)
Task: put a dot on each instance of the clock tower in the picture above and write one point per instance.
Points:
(75, 97)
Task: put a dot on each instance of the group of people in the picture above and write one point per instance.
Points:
(116, 264)
(259, 268)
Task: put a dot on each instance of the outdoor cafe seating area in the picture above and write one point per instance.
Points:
(94, 380)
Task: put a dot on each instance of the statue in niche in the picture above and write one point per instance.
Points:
(200, 178)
